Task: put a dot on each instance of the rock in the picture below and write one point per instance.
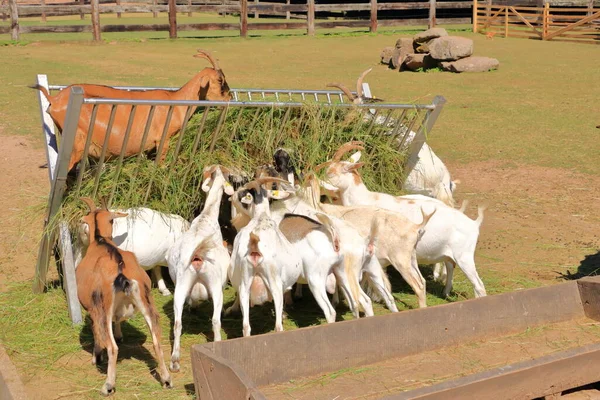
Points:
(421, 48)
(429, 34)
(449, 48)
(416, 61)
(403, 47)
(386, 55)
(471, 64)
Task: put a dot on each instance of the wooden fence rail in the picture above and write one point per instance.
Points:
(545, 23)
(241, 7)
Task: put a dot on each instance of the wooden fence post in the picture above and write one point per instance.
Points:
(432, 22)
(545, 20)
(590, 7)
(256, 14)
(172, 20)
(190, 6)
(43, 4)
(14, 19)
(118, 4)
(154, 12)
(506, 22)
(244, 18)
(474, 16)
(81, 14)
(96, 20)
(288, 14)
(310, 17)
(373, 27)
(488, 11)
(4, 15)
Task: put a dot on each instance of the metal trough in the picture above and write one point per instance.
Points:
(248, 368)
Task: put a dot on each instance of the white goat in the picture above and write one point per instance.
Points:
(198, 261)
(261, 249)
(450, 236)
(146, 233)
(429, 177)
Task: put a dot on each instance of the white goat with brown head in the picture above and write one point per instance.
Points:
(111, 286)
(198, 261)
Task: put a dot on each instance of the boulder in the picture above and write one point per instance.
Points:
(386, 55)
(429, 34)
(403, 47)
(450, 48)
(471, 64)
(416, 61)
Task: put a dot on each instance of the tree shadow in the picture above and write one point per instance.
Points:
(589, 266)
(130, 348)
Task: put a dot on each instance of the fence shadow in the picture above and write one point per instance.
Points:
(589, 266)
(130, 348)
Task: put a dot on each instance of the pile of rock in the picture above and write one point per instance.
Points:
(435, 49)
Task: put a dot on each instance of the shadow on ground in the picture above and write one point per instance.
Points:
(589, 266)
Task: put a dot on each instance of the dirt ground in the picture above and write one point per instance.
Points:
(540, 226)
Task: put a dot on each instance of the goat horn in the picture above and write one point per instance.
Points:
(346, 147)
(206, 54)
(262, 181)
(344, 89)
(90, 203)
(359, 82)
(322, 165)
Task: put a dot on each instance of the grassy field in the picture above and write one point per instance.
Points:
(538, 111)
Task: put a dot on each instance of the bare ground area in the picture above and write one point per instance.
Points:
(540, 225)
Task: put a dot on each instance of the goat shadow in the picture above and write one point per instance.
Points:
(432, 287)
(589, 266)
(130, 348)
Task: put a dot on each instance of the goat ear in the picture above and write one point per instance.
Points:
(355, 157)
(354, 166)
(228, 189)
(247, 199)
(205, 185)
(117, 214)
(278, 194)
(328, 186)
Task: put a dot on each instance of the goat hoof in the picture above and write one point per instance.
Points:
(174, 367)
(168, 384)
(108, 389)
(165, 292)
(231, 311)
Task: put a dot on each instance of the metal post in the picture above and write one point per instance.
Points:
(96, 20)
(59, 183)
(14, 19)
(421, 136)
(47, 128)
(172, 20)
(68, 270)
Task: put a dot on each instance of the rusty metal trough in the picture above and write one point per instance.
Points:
(240, 368)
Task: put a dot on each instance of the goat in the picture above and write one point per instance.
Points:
(260, 249)
(490, 35)
(148, 234)
(111, 286)
(198, 261)
(208, 84)
(430, 176)
(450, 236)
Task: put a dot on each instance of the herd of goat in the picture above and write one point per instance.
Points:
(285, 235)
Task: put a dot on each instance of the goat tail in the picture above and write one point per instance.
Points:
(330, 230)
(42, 89)
(463, 206)
(480, 211)
(349, 263)
(122, 283)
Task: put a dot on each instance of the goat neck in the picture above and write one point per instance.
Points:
(213, 199)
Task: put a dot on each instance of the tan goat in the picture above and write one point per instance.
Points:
(208, 84)
(111, 286)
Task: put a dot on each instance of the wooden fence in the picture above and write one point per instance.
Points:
(242, 7)
(545, 23)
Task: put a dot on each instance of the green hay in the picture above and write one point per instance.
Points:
(246, 138)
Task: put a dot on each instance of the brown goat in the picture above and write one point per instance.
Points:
(111, 286)
(208, 84)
